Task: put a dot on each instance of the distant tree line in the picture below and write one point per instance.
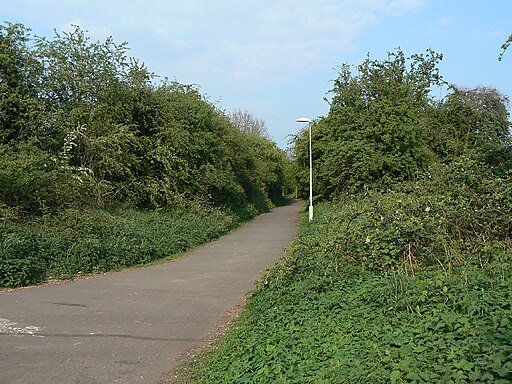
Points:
(83, 124)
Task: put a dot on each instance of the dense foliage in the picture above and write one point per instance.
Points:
(384, 127)
(76, 242)
(404, 275)
(95, 128)
(84, 127)
(320, 318)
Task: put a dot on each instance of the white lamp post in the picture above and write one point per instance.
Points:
(309, 121)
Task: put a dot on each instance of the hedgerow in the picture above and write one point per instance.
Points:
(404, 275)
(82, 124)
(86, 133)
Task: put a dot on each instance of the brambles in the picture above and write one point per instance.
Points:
(404, 276)
(76, 242)
(325, 315)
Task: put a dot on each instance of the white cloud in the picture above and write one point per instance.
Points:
(267, 41)
(249, 42)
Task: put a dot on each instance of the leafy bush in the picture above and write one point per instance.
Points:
(19, 264)
(31, 181)
(81, 242)
(404, 276)
(384, 128)
(457, 215)
(318, 317)
(115, 137)
(85, 128)
(374, 134)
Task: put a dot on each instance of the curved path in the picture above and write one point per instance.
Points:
(135, 326)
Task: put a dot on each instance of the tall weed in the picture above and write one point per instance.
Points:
(343, 309)
(86, 241)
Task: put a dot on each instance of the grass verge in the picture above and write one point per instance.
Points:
(76, 242)
(322, 316)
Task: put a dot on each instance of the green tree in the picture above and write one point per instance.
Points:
(20, 111)
(81, 84)
(114, 137)
(471, 120)
(374, 134)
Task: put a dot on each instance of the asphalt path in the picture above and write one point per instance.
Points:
(136, 326)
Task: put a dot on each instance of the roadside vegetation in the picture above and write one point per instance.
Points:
(103, 165)
(404, 275)
(77, 242)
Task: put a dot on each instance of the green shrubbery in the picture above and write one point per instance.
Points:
(404, 275)
(84, 128)
(94, 128)
(334, 311)
(76, 242)
(384, 128)
(457, 215)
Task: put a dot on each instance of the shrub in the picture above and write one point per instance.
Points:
(319, 317)
(81, 242)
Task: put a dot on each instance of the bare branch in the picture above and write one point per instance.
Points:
(248, 123)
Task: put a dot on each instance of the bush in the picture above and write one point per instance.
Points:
(80, 242)
(19, 262)
(81, 124)
(31, 182)
(458, 214)
(320, 317)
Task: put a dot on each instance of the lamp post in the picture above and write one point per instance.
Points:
(309, 121)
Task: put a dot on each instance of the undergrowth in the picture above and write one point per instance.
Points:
(387, 288)
(75, 242)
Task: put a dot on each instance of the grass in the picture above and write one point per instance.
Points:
(322, 316)
(76, 242)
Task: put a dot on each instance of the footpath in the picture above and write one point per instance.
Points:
(136, 326)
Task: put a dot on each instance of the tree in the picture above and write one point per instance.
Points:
(473, 119)
(374, 134)
(504, 47)
(82, 84)
(248, 123)
(20, 111)
(85, 117)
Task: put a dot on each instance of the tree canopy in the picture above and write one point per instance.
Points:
(384, 127)
(81, 123)
(248, 123)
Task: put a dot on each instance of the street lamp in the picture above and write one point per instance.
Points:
(309, 121)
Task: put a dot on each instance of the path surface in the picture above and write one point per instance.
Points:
(135, 326)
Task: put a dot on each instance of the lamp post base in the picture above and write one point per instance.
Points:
(310, 213)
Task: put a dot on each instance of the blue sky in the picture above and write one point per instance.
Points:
(276, 59)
